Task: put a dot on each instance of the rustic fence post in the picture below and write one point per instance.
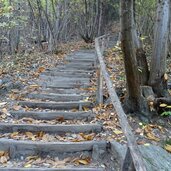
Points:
(128, 164)
(99, 96)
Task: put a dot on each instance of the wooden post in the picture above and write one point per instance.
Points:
(99, 96)
(128, 164)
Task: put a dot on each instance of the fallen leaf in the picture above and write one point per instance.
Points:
(3, 103)
(151, 136)
(14, 134)
(117, 132)
(3, 159)
(41, 69)
(163, 105)
(168, 147)
(27, 165)
(2, 153)
(30, 136)
(165, 77)
(60, 119)
(15, 107)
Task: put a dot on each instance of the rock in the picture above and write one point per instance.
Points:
(155, 157)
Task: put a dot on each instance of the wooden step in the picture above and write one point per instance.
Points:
(58, 128)
(64, 85)
(59, 81)
(72, 67)
(53, 169)
(65, 91)
(57, 97)
(65, 74)
(52, 115)
(27, 148)
(59, 78)
(68, 70)
(56, 105)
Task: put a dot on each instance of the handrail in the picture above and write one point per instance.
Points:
(133, 159)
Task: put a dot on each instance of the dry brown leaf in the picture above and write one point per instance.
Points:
(30, 136)
(88, 137)
(151, 136)
(40, 134)
(41, 69)
(3, 159)
(16, 107)
(60, 119)
(14, 134)
(2, 153)
(83, 161)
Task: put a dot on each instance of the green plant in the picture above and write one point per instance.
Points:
(166, 113)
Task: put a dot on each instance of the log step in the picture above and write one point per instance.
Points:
(56, 105)
(84, 68)
(65, 74)
(68, 70)
(48, 169)
(66, 85)
(57, 97)
(57, 129)
(64, 91)
(29, 148)
(52, 115)
(63, 79)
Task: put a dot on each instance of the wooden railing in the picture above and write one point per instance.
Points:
(133, 159)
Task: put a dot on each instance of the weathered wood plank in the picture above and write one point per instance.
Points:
(55, 169)
(65, 74)
(55, 105)
(60, 78)
(56, 129)
(52, 115)
(26, 148)
(65, 91)
(57, 97)
(61, 85)
(70, 70)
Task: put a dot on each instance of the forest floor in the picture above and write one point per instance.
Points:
(158, 131)
(18, 77)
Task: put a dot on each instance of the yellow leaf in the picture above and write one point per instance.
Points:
(34, 86)
(84, 162)
(168, 147)
(169, 107)
(150, 136)
(30, 136)
(117, 132)
(27, 165)
(165, 77)
(163, 105)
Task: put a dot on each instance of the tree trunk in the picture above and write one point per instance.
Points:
(158, 62)
(128, 47)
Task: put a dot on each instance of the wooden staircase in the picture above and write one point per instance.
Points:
(63, 97)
